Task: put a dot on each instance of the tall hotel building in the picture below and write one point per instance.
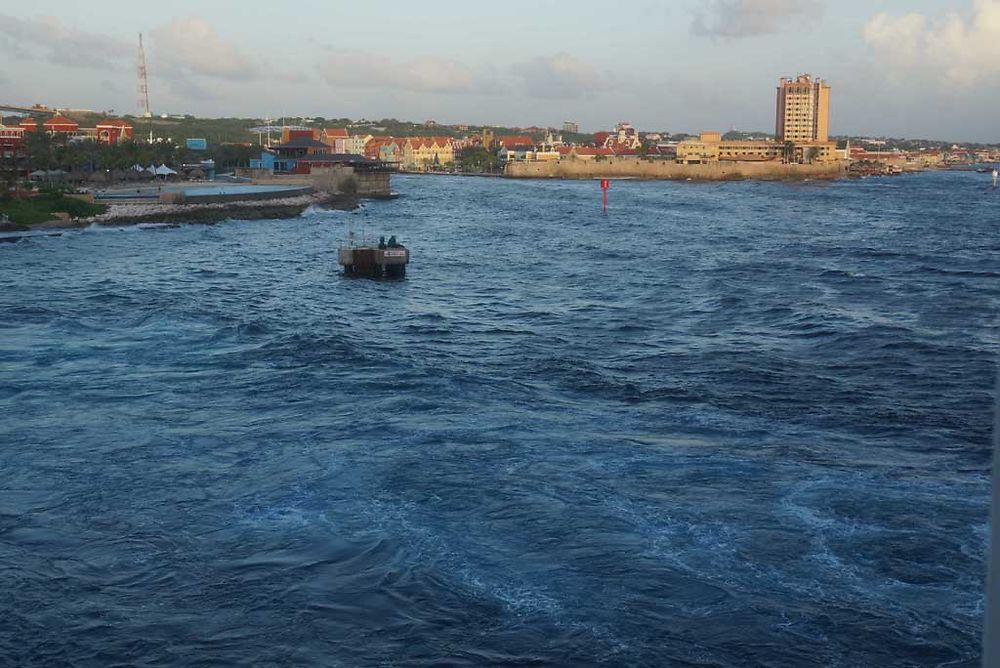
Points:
(803, 110)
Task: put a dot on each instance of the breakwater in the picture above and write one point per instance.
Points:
(130, 213)
(665, 170)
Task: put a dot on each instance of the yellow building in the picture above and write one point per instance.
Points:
(356, 143)
(711, 147)
(421, 153)
(816, 151)
(803, 110)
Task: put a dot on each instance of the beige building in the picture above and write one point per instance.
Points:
(356, 143)
(711, 147)
(803, 113)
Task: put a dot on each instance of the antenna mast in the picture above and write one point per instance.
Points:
(143, 84)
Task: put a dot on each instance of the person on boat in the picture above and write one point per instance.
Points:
(381, 242)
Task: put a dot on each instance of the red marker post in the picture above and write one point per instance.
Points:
(605, 184)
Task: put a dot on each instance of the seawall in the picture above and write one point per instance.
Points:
(662, 169)
(337, 180)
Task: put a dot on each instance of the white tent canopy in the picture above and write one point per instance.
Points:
(163, 170)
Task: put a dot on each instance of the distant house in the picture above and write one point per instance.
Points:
(391, 152)
(10, 140)
(290, 132)
(57, 127)
(509, 141)
(288, 154)
(624, 138)
(311, 163)
(385, 149)
(114, 131)
(356, 143)
(335, 138)
(516, 148)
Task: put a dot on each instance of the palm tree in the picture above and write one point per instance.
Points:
(788, 153)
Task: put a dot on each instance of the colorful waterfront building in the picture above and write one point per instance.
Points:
(335, 138)
(386, 149)
(391, 152)
(356, 143)
(421, 153)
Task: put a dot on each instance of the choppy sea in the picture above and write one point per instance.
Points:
(733, 424)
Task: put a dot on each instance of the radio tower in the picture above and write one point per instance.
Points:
(143, 85)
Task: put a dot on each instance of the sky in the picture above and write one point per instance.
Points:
(902, 68)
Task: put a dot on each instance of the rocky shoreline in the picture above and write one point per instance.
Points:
(132, 213)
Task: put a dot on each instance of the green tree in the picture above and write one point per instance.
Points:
(39, 150)
(788, 152)
(477, 160)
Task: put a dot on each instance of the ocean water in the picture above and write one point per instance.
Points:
(735, 424)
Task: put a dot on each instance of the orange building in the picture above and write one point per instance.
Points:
(335, 138)
(60, 125)
(113, 132)
(10, 140)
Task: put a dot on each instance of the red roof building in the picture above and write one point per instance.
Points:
(510, 141)
(61, 125)
(113, 132)
(374, 147)
(29, 124)
(10, 138)
(335, 138)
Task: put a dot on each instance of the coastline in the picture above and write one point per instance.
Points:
(122, 214)
(671, 171)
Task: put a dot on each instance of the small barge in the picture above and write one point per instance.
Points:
(386, 260)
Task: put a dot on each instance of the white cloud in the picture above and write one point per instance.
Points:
(189, 46)
(557, 76)
(46, 38)
(425, 74)
(746, 18)
(956, 49)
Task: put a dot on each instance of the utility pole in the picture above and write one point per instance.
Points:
(143, 88)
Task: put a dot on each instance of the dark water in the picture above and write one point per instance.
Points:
(737, 424)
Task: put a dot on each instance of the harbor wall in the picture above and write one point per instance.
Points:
(338, 180)
(182, 197)
(668, 170)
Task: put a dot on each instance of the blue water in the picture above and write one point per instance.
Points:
(738, 424)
